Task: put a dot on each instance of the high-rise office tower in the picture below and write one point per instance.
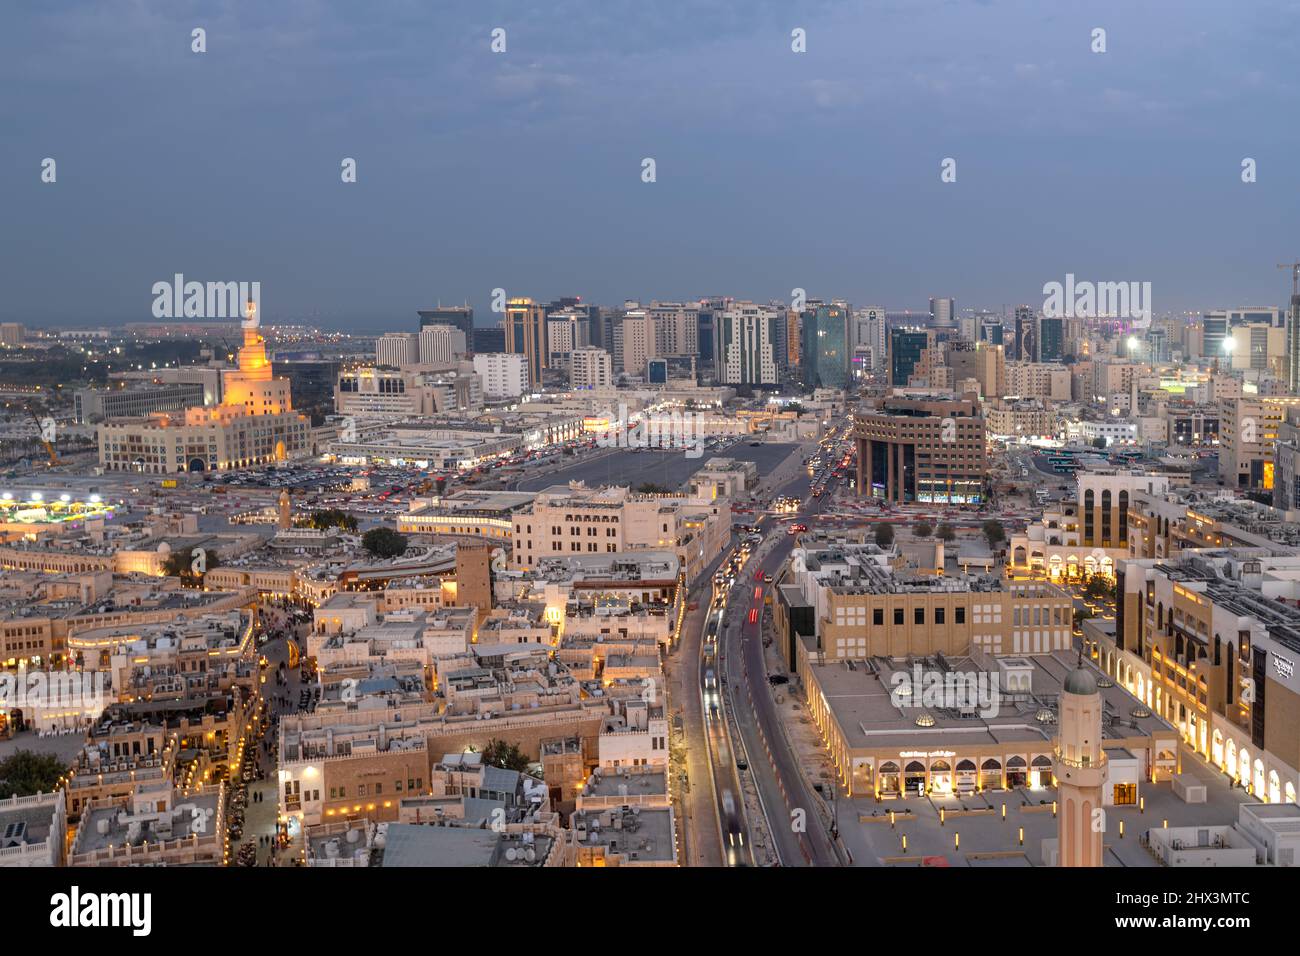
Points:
(638, 341)
(704, 334)
(905, 348)
(1293, 345)
(872, 329)
(793, 337)
(1026, 344)
(990, 331)
(1158, 345)
(943, 313)
(1050, 339)
(441, 344)
(676, 328)
(566, 330)
(397, 349)
(457, 316)
(489, 339)
(824, 350)
(743, 345)
(1214, 330)
(526, 336)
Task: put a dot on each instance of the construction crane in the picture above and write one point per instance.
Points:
(1295, 278)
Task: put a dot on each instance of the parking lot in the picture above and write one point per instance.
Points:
(667, 468)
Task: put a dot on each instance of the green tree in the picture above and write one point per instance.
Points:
(1099, 588)
(506, 756)
(329, 518)
(884, 534)
(1099, 442)
(650, 488)
(27, 772)
(946, 533)
(923, 529)
(994, 532)
(384, 542)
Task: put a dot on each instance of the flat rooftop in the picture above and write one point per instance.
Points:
(409, 844)
(859, 695)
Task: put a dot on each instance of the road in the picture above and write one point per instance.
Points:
(776, 771)
(733, 829)
(741, 679)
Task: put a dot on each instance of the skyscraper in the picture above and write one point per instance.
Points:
(943, 312)
(704, 332)
(743, 345)
(459, 316)
(1026, 344)
(638, 341)
(871, 329)
(1293, 345)
(990, 331)
(441, 344)
(825, 351)
(905, 348)
(793, 336)
(566, 330)
(397, 349)
(526, 336)
(1050, 339)
(488, 339)
(1214, 329)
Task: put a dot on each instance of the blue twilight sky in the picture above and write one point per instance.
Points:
(522, 170)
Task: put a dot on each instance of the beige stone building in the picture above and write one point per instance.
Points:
(255, 423)
(577, 520)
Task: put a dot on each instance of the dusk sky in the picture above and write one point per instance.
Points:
(522, 170)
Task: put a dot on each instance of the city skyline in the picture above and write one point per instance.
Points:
(1067, 161)
(710, 435)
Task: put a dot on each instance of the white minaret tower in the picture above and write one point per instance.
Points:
(1080, 769)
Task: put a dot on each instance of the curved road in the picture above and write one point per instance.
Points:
(781, 785)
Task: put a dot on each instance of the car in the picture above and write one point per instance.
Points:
(767, 579)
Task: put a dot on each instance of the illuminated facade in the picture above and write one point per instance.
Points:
(254, 424)
(922, 450)
(1204, 642)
